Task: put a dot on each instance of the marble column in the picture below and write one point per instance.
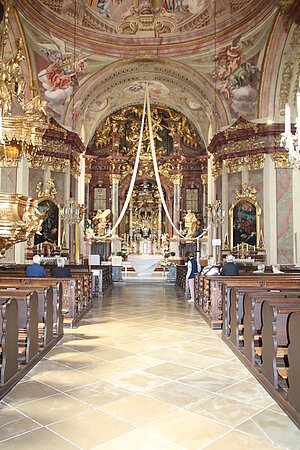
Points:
(270, 216)
(177, 180)
(211, 195)
(225, 226)
(22, 188)
(46, 174)
(67, 187)
(296, 214)
(115, 179)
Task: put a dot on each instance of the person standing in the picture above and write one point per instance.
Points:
(192, 267)
(35, 270)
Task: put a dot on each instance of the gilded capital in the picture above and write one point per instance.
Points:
(177, 179)
(115, 178)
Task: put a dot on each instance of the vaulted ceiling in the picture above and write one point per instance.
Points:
(211, 60)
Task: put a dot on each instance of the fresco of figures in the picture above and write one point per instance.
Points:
(237, 79)
(60, 77)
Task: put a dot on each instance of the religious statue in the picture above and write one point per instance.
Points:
(191, 224)
(100, 221)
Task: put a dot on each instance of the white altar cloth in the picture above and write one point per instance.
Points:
(144, 265)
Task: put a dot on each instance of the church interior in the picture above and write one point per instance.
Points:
(145, 146)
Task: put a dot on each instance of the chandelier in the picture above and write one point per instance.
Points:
(289, 140)
(72, 213)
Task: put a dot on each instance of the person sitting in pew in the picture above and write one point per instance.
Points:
(260, 269)
(276, 268)
(35, 270)
(60, 271)
(211, 269)
(230, 268)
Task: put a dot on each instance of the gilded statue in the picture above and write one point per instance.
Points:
(100, 221)
(191, 224)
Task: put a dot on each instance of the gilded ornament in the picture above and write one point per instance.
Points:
(204, 178)
(234, 165)
(49, 190)
(247, 192)
(255, 162)
(20, 219)
(241, 124)
(88, 177)
(282, 161)
(177, 179)
(217, 170)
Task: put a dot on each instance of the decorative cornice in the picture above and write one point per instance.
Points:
(255, 162)
(234, 165)
(281, 160)
(217, 170)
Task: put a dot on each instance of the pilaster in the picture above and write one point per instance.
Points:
(296, 214)
(22, 188)
(269, 213)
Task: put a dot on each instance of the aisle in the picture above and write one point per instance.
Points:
(142, 371)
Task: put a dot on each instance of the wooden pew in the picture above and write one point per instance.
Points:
(293, 393)
(9, 340)
(238, 299)
(68, 290)
(22, 333)
(252, 317)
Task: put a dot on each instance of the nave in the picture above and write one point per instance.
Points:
(142, 371)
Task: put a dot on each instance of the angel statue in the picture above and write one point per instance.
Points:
(100, 221)
(191, 223)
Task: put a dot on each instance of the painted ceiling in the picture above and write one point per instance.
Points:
(210, 60)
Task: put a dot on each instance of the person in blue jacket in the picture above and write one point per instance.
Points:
(192, 267)
(36, 270)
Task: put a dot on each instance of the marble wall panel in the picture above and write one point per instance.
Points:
(8, 180)
(234, 182)
(59, 180)
(255, 180)
(9, 256)
(284, 216)
(35, 176)
(219, 188)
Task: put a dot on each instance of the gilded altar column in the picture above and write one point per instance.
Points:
(177, 180)
(159, 222)
(115, 179)
(130, 223)
(270, 205)
(22, 188)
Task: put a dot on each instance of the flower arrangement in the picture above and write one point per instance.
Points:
(165, 262)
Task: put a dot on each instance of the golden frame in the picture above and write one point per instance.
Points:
(59, 218)
(247, 195)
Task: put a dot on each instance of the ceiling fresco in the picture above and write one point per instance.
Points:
(209, 60)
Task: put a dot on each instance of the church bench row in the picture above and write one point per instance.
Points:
(22, 317)
(209, 293)
(268, 346)
(77, 291)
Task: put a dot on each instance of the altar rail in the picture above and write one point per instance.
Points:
(31, 323)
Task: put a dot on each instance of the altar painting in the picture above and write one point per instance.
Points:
(244, 223)
(51, 224)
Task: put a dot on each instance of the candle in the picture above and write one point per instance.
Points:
(287, 129)
(298, 110)
(254, 248)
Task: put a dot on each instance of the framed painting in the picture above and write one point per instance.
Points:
(245, 215)
(51, 226)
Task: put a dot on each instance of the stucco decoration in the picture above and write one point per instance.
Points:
(155, 89)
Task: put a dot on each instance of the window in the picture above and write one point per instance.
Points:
(99, 199)
(191, 200)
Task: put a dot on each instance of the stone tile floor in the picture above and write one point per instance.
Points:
(142, 371)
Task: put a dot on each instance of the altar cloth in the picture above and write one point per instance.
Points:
(144, 265)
